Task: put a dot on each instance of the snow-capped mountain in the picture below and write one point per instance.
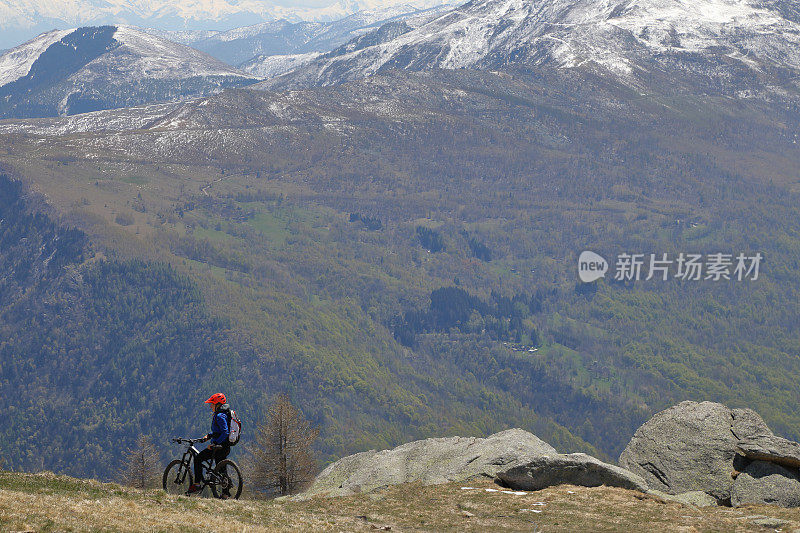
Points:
(630, 38)
(282, 37)
(21, 19)
(72, 71)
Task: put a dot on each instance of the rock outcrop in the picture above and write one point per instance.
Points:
(691, 446)
(772, 449)
(763, 482)
(697, 454)
(573, 469)
(729, 454)
(429, 461)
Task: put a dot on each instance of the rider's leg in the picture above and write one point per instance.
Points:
(222, 453)
(199, 459)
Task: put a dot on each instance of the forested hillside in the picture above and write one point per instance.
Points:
(400, 255)
(98, 351)
(94, 351)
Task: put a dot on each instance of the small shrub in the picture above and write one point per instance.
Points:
(124, 219)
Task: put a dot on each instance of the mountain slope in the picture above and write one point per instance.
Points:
(398, 252)
(63, 302)
(309, 217)
(272, 66)
(630, 39)
(16, 63)
(250, 46)
(62, 73)
(97, 347)
(282, 37)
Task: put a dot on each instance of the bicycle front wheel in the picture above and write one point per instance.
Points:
(177, 478)
(229, 480)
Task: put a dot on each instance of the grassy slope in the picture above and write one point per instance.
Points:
(46, 502)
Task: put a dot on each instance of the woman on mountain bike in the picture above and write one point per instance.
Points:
(220, 446)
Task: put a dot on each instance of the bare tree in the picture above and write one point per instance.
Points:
(281, 460)
(142, 469)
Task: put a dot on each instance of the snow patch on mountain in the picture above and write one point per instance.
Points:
(276, 65)
(623, 36)
(146, 56)
(16, 63)
(187, 37)
(283, 38)
(94, 68)
(126, 119)
(140, 56)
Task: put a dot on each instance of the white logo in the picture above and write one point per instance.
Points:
(663, 266)
(591, 266)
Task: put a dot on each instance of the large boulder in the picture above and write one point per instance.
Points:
(763, 482)
(573, 469)
(771, 448)
(691, 446)
(429, 461)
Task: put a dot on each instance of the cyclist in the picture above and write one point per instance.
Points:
(220, 446)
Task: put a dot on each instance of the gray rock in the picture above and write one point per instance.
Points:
(573, 469)
(429, 461)
(697, 498)
(763, 482)
(748, 424)
(770, 521)
(691, 447)
(771, 448)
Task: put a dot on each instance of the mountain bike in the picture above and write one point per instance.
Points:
(225, 476)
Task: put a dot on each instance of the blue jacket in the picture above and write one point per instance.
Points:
(219, 426)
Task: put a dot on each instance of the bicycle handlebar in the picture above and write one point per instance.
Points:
(181, 440)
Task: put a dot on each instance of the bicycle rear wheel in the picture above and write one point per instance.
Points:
(230, 480)
(177, 478)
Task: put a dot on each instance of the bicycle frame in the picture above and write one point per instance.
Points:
(191, 453)
(216, 477)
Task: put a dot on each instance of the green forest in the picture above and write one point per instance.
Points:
(398, 279)
(100, 351)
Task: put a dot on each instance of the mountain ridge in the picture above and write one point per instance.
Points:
(283, 37)
(630, 40)
(72, 71)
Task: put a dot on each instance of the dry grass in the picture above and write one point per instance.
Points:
(55, 503)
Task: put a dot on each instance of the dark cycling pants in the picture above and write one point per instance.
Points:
(220, 453)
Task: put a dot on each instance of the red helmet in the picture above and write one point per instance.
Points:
(217, 398)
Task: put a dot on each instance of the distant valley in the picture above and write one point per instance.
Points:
(388, 231)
